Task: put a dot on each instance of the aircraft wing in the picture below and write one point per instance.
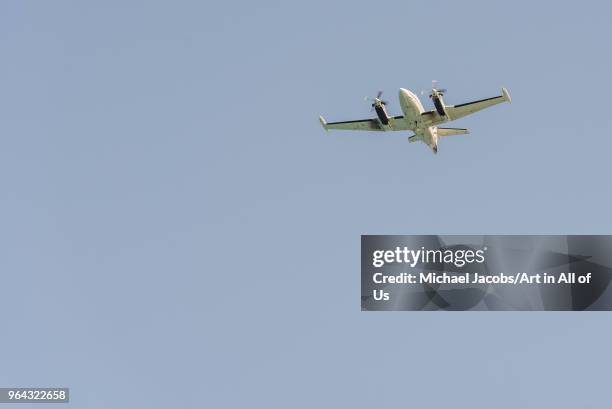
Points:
(461, 110)
(358, 125)
(396, 123)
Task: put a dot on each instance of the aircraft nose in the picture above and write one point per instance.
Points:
(404, 95)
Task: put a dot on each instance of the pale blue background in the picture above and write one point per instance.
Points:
(177, 230)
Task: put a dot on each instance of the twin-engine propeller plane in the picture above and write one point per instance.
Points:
(423, 123)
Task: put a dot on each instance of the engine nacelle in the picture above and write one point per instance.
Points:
(439, 104)
(381, 112)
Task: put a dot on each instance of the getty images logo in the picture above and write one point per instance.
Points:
(412, 257)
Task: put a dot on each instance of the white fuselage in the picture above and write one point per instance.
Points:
(413, 108)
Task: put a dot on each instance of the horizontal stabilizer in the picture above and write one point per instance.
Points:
(452, 131)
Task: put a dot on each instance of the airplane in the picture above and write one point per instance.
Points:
(423, 123)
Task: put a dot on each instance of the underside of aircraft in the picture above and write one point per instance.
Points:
(423, 124)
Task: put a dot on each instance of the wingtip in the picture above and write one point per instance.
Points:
(323, 122)
(506, 95)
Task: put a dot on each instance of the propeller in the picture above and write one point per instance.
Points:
(376, 99)
(434, 87)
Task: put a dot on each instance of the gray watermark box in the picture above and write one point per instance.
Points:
(34, 395)
(486, 272)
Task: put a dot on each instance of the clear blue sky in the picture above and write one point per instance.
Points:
(179, 231)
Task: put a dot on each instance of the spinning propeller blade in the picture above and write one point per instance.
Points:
(434, 85)
(376, 99)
